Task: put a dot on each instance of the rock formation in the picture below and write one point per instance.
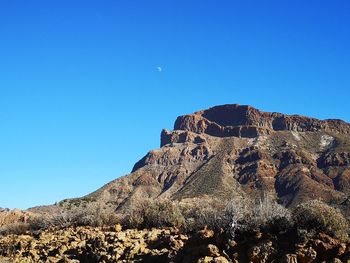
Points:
(238, 150)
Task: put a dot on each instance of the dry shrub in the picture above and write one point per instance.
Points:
(244, 215)
(17, 228)
(318, 216)
(237, 214)
(269, 215)
(214, 213)
(59, 219)
(202, 212)
(95, 214)
(153, 213)
(84, 214)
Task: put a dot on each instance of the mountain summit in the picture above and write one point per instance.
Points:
(232, 150)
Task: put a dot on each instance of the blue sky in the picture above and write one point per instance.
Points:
(81, 99)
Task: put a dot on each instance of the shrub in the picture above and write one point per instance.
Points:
(318, 216)
(234, 216)
(238, 214)
(268, 215)
(94, 214)
(153, 213)
(84, 214)
(202, 212)
(14, 228)
(244, 215)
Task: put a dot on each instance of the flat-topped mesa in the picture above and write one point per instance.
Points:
(246, 121)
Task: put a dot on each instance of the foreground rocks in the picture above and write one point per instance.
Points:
(88, 244)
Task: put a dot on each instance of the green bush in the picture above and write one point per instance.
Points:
(318, 216)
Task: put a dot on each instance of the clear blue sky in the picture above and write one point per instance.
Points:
(81, 99)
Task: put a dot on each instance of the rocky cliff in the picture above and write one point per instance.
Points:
(246, 121)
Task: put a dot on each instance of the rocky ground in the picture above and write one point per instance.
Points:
(87, 244)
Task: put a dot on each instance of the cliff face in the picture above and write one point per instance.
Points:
(246, 121)
(238, 150)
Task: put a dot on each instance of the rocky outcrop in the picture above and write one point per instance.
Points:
(167, 137)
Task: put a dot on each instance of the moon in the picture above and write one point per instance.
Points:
(159, 69)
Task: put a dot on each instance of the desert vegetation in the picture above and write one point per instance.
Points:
(197, 230)
(83, 214)
(235, 216)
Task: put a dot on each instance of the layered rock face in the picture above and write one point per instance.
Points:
(234, 150)
(246, 121)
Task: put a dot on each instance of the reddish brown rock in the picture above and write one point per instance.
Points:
(223, 121)
(306, 255)
(233, 150)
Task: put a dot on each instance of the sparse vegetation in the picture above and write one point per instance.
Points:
(238, 214)
(203, 212)
(153, 213)
(201, 229)
(85, 214)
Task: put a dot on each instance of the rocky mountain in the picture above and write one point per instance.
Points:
(235, 149)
